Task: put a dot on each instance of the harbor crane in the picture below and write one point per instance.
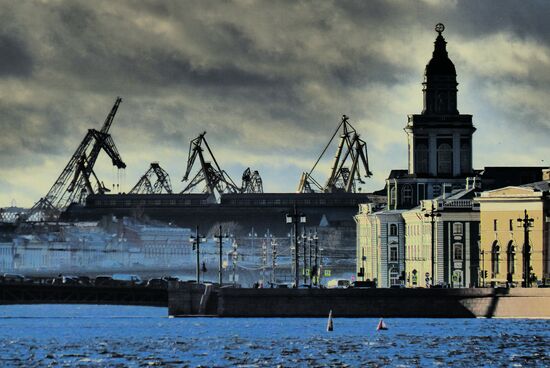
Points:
(75, 181)
(251, 182)
(148, 185)
(216, 180)
(351, 156)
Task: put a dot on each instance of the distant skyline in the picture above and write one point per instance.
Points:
(268, 81)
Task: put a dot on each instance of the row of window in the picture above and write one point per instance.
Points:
(458, 252)
(444, 158)
(510, 259)
(143, 203)
(510, 224)
(458, 229)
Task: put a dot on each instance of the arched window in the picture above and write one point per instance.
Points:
(421, 159)
(510, 258)
(458, 252)
(457, 228)
(406, 194)
(495, 255)
(393, 230)
(445, 159)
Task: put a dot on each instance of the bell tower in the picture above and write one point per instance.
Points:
(440, 139)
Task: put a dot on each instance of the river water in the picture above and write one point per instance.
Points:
(115, 336)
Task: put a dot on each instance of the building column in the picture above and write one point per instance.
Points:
(432, 153)
(456, 154)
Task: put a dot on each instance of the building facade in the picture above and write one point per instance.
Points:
(452, 224)
(503, 252)
(380, 246)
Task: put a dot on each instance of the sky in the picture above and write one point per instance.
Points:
(267, 80)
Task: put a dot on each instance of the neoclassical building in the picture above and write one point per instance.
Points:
(503, 252)
(453, 232)
(380, 245)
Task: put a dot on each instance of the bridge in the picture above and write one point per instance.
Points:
(23, 293)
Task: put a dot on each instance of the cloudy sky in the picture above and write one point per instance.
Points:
(268, 80)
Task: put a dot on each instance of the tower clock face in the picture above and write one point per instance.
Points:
(439, 27)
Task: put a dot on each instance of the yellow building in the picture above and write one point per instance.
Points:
(502, 234)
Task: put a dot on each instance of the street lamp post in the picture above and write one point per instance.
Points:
(273, 259)
(483, 267)
(304, 246)
(296, 218)
(267, 237)
(526, 222)
(316, 239)
(252, 235)
(196, 240)
(234, 256)
(432, 215)
(220, 238)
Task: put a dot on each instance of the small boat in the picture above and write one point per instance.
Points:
(330, 325)
(381, 325)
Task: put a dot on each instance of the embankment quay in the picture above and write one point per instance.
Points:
(192, 299)
(188, 299)
(20, 293)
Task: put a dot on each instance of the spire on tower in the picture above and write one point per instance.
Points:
(440, 80)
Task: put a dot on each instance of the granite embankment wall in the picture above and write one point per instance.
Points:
(429, 303)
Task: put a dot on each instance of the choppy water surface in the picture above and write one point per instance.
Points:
(89, 336)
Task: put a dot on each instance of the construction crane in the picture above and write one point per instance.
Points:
(75, 181)
(217, 181)
(345, 172)
(146, 185)
(252, 182)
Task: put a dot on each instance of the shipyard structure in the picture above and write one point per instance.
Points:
(213, 204)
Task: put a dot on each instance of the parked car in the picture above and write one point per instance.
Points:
(13, 277)
(84, 280)
(338, 284)
(159, 283)
(363, 284)
(104, 280)
(65, 280)
(127, 280)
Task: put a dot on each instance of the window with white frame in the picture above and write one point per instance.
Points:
(407, 194)
(393, 230)
(394, 276)
(458, 252)
(458, 228)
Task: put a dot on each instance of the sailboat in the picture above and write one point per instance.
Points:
(381, 325)
(330, 325)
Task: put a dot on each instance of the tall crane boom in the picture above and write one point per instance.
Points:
(64, 191)
(145, 185)
(217, 180)
(350, 157)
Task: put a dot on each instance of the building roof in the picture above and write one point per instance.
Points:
(542, 186)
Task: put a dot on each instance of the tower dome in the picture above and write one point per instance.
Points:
(440, 92)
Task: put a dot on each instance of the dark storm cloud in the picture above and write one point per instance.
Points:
(15, 59)
(268, 80)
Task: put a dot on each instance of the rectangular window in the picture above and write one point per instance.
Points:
(457, 228)
(393, 254)
(511, 225)
(495, 225)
